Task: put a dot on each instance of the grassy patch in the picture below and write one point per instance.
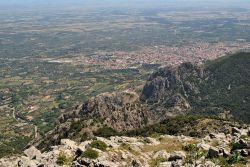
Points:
(128, 148)
(99, 145)
(157, 161)
(64, 159)
(90, 153)
(168, 144)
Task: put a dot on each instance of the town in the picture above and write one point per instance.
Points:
(164, 55)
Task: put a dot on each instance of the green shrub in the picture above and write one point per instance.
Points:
(90, 153)
(146, 140)
(154, 135)
(193, 153)
(99, 145)
(221, 161)
(105, 132)
(83, 137)
(200, 154)
(194, 133)
(235, 158)
(13, 146)
(190, 148)
(64, 159)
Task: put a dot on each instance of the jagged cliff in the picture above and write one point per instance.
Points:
(121, 111)
(172, 82)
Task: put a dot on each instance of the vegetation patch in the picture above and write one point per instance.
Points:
(193, 153)
(127, 147)
(168, 144)
(157, 161)
(106, 132)
(99, 145)
(64, 159)
(90, 153)
(234, 159)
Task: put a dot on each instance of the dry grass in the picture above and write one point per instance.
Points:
(128, 148)
(168, 144)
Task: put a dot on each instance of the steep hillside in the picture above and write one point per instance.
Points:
(218, 87)
(227, 86)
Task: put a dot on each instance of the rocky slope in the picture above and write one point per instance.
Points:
(170, 85)
(219, 87)
(119, 110)
(215, 149)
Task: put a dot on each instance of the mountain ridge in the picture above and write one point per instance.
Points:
(188, 89)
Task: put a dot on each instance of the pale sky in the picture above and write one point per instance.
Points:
(195, 3)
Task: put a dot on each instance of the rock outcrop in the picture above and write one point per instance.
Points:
(119, 110)
(173, 83)
(121, 151)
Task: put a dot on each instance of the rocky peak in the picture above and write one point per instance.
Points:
(171, 86)
(118, 110)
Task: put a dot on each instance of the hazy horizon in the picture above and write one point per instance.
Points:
(130, 3)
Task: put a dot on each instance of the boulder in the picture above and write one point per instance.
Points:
(8, 162)
(244, 153)
(213, 152)
(207, 138)
(151, 140)
(212, 135)
(165, 164)
(84, 161)
(124, 155)
(75, 164)
(200, 160)
(241, 144)
(83, 146)
(105, 164)
(69, 144)
(135, 163)
(225, 152)
(209, 164)
(189, 165)
(203, 146)
(33, 153)
(236, 131)
(162, 154)
(26, 162)
(177, 155)
(177, 163)
(123, 139)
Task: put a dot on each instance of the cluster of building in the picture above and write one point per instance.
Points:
(166, 55)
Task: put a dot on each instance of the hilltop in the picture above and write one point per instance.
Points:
(215, 149)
